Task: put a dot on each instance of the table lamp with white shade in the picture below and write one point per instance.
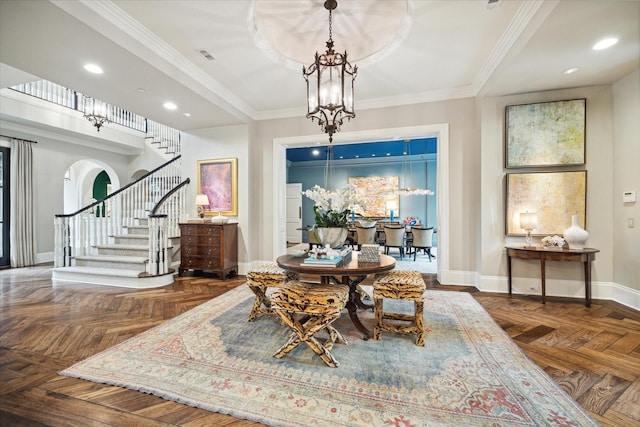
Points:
(201, 201)
(528, 222)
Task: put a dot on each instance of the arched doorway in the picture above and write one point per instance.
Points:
(79, 183)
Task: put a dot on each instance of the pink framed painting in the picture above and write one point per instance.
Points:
(218, 180)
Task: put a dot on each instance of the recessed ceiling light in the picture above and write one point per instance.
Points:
(170, 105)
(141, 90)
(570, 70)
(605, 43)
(316, 152)
(93, 68)
(187, 114)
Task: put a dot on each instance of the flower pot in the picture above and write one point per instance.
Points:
(575, 236)
(333, 236)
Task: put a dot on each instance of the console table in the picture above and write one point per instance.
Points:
(585, 256)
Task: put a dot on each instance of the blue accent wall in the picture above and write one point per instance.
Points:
(424, 175)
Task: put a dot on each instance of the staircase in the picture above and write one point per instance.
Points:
(135, 244)
(121, 263)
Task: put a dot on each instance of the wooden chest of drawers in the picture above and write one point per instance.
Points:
(211, 247)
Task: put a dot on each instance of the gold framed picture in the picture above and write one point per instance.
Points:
(218, 180)
(553, 196)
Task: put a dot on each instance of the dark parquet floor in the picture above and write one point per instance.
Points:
(594, 354)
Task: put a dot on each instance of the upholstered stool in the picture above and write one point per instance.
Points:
(403, 285)
(261, 278)
(306, 309)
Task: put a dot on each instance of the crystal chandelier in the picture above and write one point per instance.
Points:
(330, 85)
(405, 189)
(96, 111)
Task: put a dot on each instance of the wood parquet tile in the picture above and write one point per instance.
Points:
(592, 353)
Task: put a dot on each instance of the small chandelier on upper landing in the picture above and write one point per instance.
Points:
(96, 111)
(330, 85)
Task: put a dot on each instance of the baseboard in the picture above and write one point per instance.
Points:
(563, 288)
(45, 257)
(454, 277)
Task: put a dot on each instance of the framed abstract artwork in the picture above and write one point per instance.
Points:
(376, 192)
(545, 134)
(218, 180)
(553, 196)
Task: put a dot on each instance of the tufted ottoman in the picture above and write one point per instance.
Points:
(259, 279)
(306, 309)
(404, 285)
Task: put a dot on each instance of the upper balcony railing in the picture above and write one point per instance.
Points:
(69, 98)
(167, 138)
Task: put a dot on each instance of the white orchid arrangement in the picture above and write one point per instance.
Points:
(332, 208)
(551, 241)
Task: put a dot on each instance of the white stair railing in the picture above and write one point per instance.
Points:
(78, 233)
(163, 223)
(167, 138)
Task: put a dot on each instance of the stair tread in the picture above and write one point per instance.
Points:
(113, 258)
(100, 271)
(121, 246)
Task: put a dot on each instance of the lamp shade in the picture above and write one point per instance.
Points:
(202, 200)
(528, 220)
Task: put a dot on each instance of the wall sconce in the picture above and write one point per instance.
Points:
(528, 222)
(201, 201)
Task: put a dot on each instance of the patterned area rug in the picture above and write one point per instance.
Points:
(468, 374)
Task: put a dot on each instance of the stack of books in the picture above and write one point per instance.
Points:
(312, 261)
(345, 253)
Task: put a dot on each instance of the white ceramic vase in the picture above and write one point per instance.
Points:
(575, 236)
(333, 236)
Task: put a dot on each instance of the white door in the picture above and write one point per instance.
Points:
(294, 213)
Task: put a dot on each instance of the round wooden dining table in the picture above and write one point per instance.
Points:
(349, 273)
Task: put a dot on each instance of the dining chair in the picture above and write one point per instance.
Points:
(422, 239)
(394, 238)
(365, 235)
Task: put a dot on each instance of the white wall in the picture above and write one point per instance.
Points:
(626, 177)
(217, 143)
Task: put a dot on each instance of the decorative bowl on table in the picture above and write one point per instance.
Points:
(219, 219)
